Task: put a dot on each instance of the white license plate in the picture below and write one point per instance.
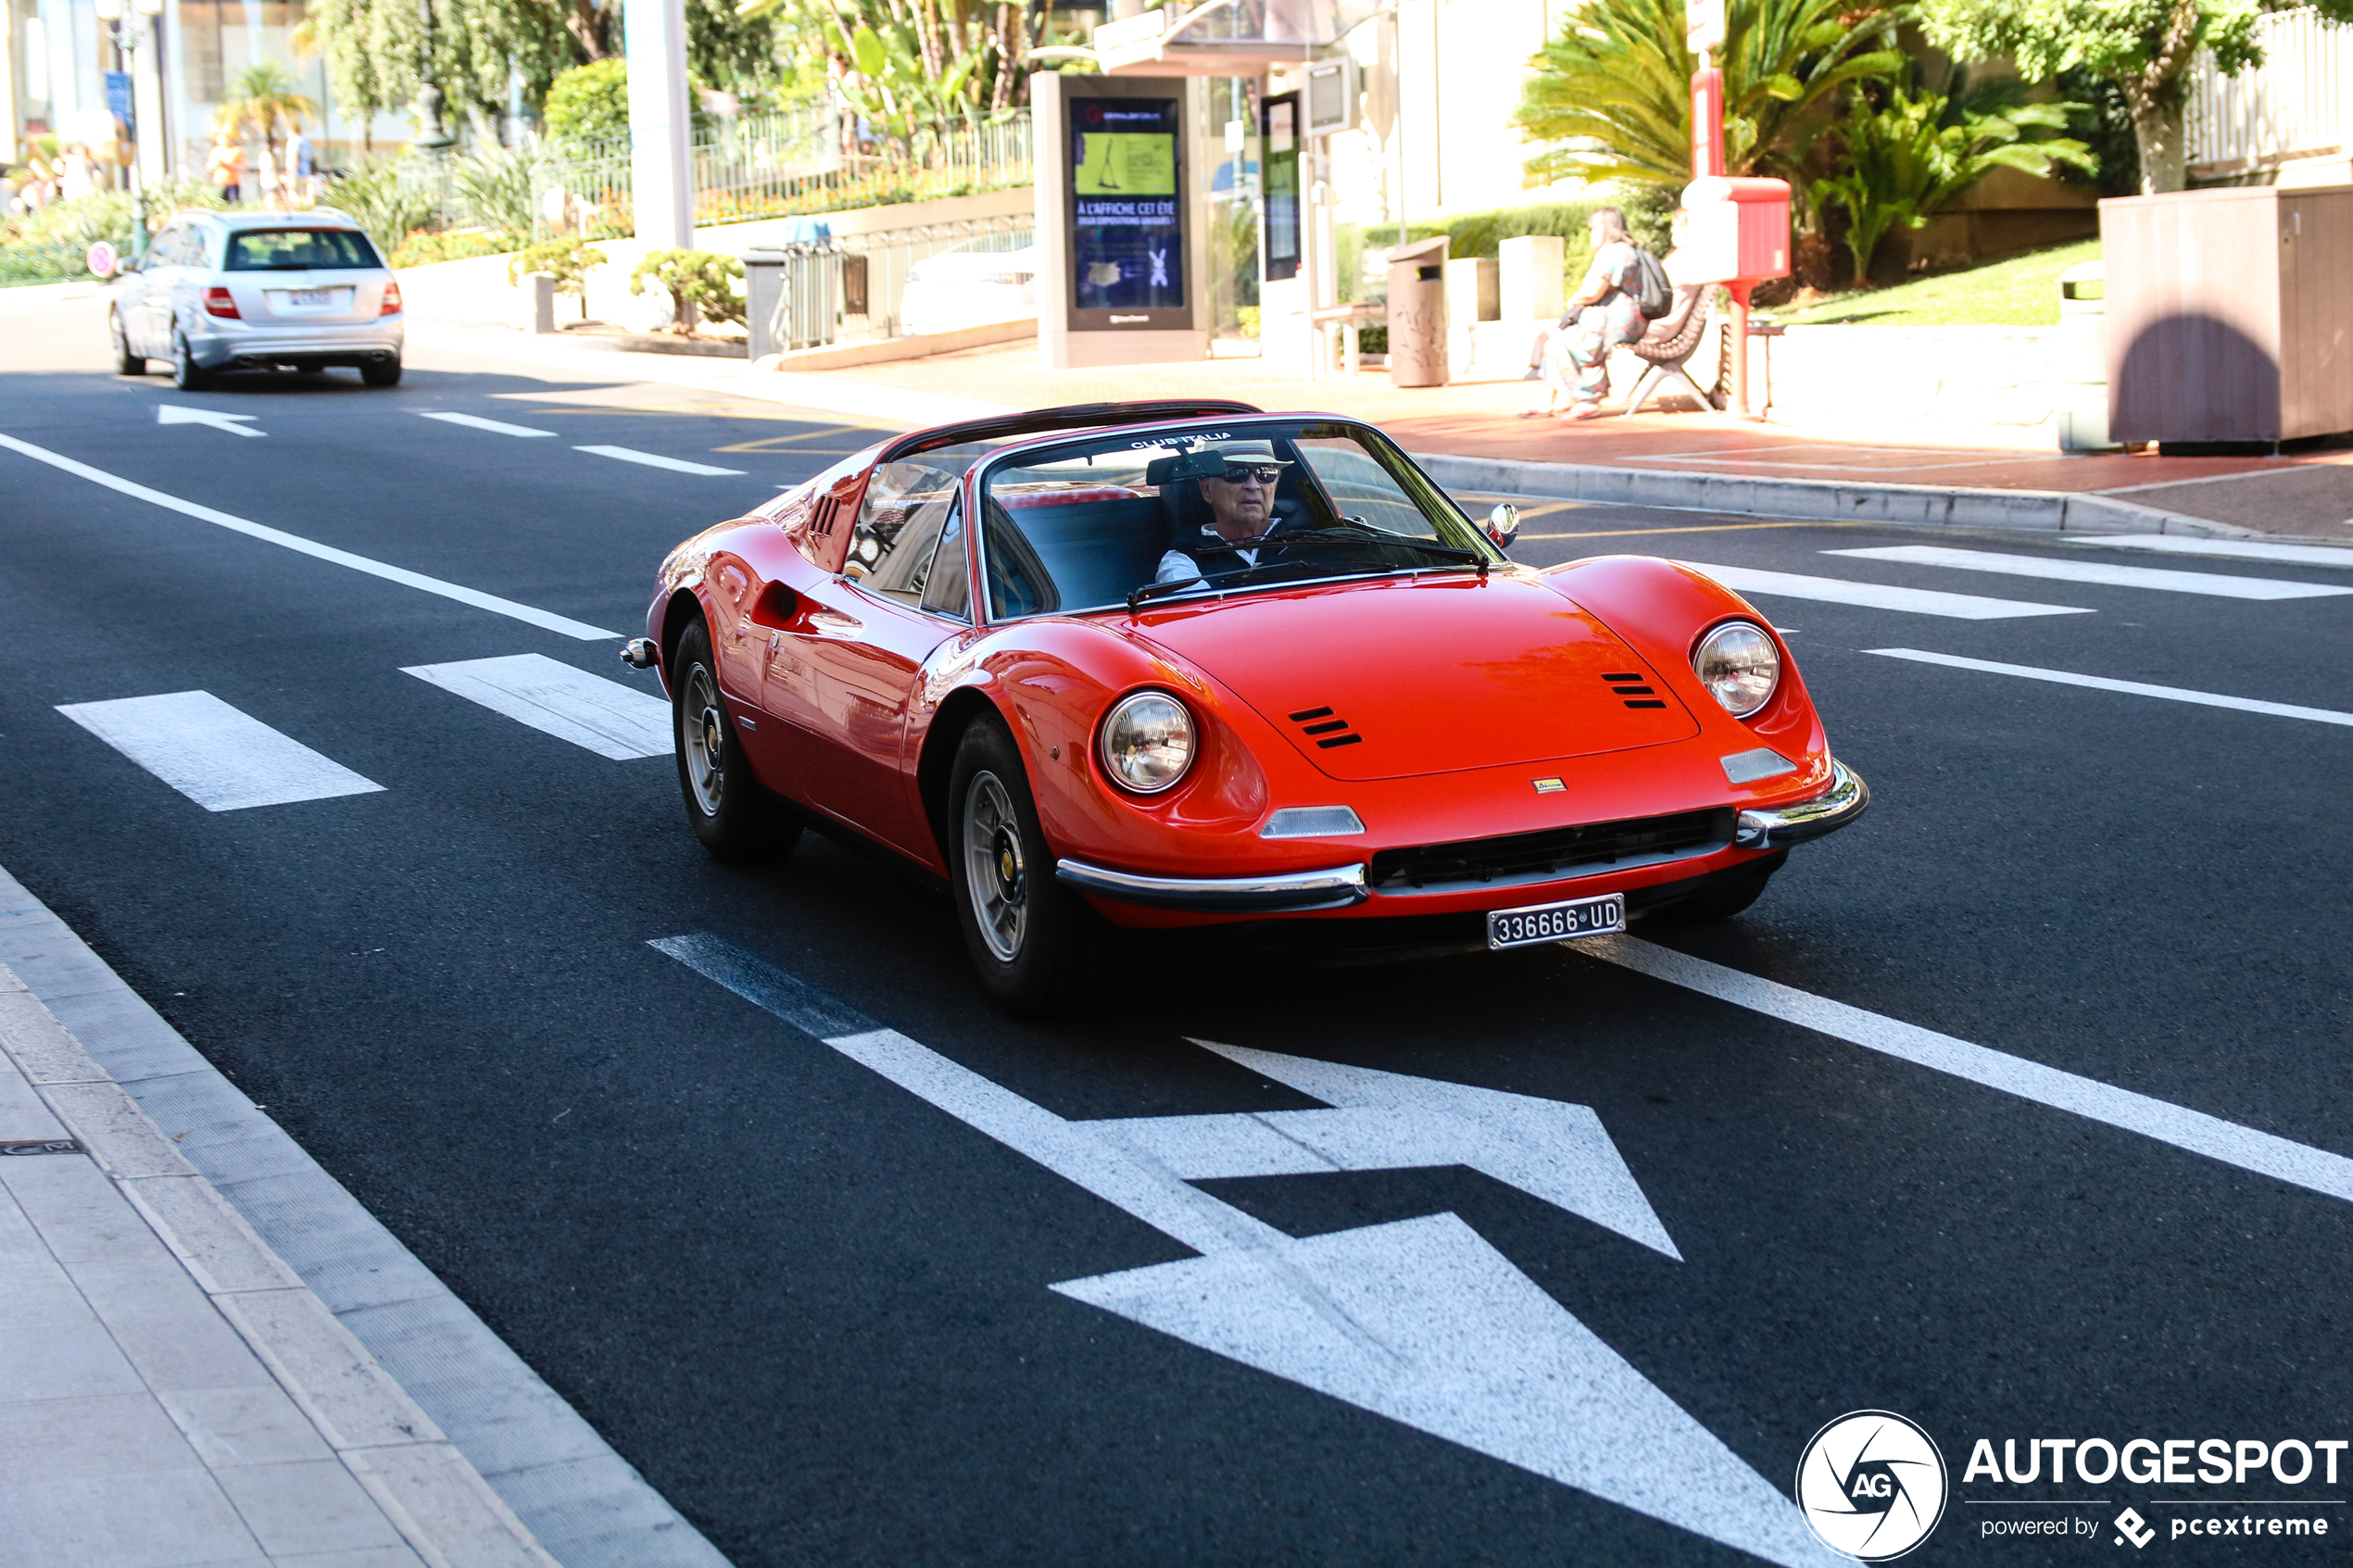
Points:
(1556, 922)
(313, 299)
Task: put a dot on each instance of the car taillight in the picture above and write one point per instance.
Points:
(218, 303)
(392, 300)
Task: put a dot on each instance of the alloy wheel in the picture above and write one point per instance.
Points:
(703, 739)
(996, 870)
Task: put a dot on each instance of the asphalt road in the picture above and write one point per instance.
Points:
(814, 1310)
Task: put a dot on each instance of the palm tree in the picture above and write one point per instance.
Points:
(1911, 158)
(1612, 93)
(263, 101)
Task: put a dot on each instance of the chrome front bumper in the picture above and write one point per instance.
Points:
(1333, 889)
(1847, 798)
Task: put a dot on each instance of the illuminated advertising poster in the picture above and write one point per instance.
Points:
(1127, 228)
(1278, 130)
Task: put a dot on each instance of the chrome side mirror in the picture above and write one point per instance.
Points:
(1502, 524)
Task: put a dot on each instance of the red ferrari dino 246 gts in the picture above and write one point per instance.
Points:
(1173, 664)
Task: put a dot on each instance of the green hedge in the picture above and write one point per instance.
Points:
(22, 264)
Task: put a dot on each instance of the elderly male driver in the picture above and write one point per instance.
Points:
(1242, 514)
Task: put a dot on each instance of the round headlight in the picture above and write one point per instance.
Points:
(1147, 741)
(1740, 667)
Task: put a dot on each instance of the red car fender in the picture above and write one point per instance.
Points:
(1663, 609)
(1053, 682)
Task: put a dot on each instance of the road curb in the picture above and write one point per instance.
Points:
(2049, 511)
(465, 1447)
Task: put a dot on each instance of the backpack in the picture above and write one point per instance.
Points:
(1654, 295)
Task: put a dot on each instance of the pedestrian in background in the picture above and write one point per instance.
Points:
(226, 168)
(302, 184)
(1604, 313)
(268, 189)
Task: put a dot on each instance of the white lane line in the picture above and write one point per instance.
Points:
(545, 619)
(1421, 1321)
(217, 756)
(2131, 688)
(654, 460)
(475, 421)
(2227, 549)
(2266, 1154)
(607, 718)
(2207, 582)
(1873, 595)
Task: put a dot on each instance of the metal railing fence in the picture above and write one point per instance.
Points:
(773, 165)
(2293, 103)
(853, 287)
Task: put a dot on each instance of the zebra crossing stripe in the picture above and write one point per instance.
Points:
(219, 757)
(607, 718)
(1873, 595)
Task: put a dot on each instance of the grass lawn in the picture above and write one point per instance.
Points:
(2019, 292)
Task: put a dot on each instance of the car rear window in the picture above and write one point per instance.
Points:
(283, 250)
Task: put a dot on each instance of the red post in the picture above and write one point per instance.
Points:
(1707, 119)
(1740, 292)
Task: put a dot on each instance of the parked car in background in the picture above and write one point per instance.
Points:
(989, 279)
(253, 290)
(984, 648)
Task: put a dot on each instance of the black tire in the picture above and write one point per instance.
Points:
(1720, 902)
(1038, 947)
(377, 373)
(185, 375)
(735, 820)
(125, 363)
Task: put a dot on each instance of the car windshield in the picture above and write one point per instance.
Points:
(1087, 524)
(299, 250)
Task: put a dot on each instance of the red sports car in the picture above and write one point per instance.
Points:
(1156, 664)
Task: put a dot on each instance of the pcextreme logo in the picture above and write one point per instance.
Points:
(1871, 1484)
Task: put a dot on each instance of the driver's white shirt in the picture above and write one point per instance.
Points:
(1177, 567)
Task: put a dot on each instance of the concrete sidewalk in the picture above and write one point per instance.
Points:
(211, 1354)
(1472, 438)
(170, 1392)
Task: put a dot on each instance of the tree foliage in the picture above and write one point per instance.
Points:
(701, 286)
(2145, 47)
(1611, 95)
(374, 47)
(1909, 158)
(913, 59)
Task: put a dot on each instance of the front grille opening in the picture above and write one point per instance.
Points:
(1537, 857)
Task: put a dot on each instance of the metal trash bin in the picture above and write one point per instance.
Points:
(1417, 314)
(790, 292)
(2079, 360)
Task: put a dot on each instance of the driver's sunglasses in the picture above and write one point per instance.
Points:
(1239, 473)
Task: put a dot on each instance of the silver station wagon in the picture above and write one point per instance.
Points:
(250, 291)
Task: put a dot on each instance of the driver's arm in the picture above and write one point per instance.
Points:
(1177, 567)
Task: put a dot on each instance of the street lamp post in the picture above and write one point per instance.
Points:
(127, 22)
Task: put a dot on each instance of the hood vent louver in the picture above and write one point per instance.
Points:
(1327, 731)
(1635, 689)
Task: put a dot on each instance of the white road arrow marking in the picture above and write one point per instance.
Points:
(1391, 1121)
(1421, 1321)
(175, 414)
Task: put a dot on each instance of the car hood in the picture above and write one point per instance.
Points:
(1386, 679)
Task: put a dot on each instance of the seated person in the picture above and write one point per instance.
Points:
(1241, 515)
